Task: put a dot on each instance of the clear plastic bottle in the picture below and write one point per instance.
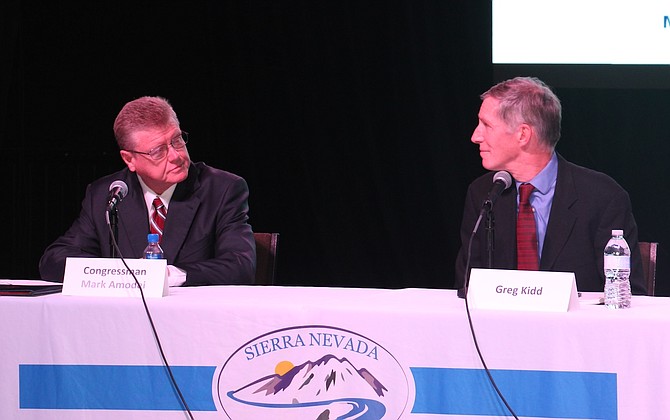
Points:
(617, 272)
(153, 251)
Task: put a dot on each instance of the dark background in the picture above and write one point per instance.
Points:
(350, 121)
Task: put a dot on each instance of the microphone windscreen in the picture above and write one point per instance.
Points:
(123, 188)
(504, 177)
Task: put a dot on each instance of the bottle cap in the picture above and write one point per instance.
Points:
(152, 237)
(617, 232)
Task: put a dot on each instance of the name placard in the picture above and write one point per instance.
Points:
(109, 277)
(522, 290)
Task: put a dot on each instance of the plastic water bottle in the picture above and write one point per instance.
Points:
(153, 251)
(617, 272)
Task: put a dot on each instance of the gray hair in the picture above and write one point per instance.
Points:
(140, 114)
(529, 100)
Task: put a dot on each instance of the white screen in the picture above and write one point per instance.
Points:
(581, 32)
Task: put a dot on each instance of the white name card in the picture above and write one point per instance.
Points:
(109, 277)
(522, 290)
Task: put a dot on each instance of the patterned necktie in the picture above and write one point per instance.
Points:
(526, 233)
(157, 221)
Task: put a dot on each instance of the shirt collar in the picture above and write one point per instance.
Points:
(149, 195)
(544, 180)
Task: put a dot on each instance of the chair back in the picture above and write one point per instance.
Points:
(266, 257)
(648, 253)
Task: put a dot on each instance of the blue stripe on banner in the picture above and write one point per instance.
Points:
(530, 393)
(106, 387)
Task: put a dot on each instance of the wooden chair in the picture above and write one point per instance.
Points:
(266, 257)
(648, 253)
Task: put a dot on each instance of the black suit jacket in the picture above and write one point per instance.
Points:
(587, 205)
(206, 231)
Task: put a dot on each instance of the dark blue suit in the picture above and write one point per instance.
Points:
(206, 231)
(587, 205)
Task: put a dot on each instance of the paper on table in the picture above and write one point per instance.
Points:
(28, 287)
(176, 276)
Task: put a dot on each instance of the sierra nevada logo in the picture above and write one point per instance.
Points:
(312, 372)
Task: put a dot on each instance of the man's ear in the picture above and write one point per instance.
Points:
(128, 159)
(525, 133)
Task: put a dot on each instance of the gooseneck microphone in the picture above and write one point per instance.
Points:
(502, 180)
(117, 191)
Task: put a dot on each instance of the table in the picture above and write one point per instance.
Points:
(257, 352)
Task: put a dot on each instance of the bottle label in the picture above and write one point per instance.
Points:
(617, 262)
(153, 256)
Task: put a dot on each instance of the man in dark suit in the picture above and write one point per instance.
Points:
(205, 232)
(575, 208)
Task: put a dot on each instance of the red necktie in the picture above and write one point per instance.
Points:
(526, 234)
(157, 221)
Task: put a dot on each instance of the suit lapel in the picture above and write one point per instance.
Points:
(181, 212)
(561, 219)
(177, 225)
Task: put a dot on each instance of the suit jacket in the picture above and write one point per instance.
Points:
(206, 231)
(587, 205)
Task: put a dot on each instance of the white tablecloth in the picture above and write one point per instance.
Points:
(253, 352)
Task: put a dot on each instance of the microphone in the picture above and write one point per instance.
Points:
(502, 180)
(117, 190)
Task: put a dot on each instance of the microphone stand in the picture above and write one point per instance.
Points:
(490, 235)
(488, 209)
(114, 235)
(503, 180)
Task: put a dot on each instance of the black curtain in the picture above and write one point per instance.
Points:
(350, 120)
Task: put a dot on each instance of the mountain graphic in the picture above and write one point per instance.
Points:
(326, 379)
